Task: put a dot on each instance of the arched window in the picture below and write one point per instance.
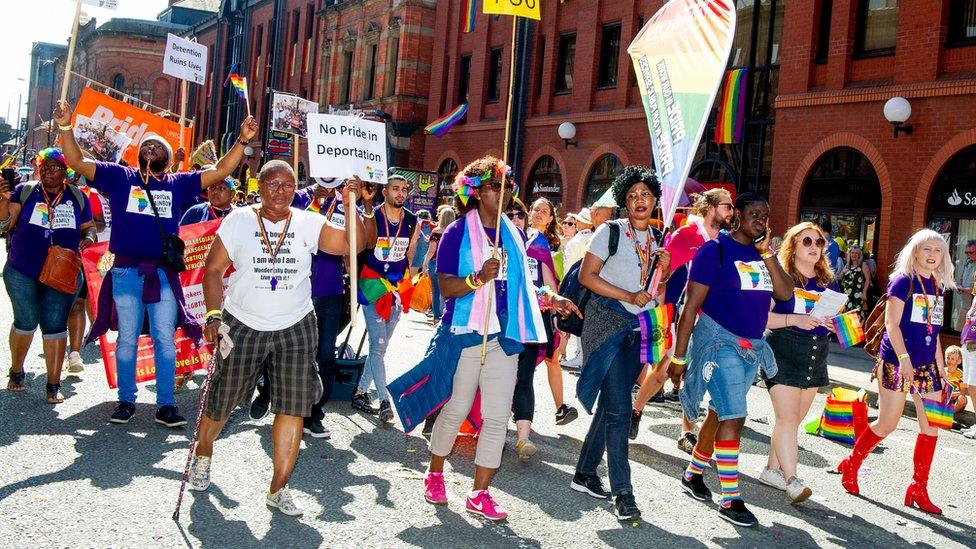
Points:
(118, 83)
(601, 176)
(445, 175)
(545, 180)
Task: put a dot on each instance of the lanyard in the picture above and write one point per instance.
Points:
(643, 254)
(926, 313)
(273, 252)
(50, 206)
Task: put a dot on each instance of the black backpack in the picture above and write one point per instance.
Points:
(571, 289)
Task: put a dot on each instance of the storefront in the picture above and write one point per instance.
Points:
(601, 177)
(545, 180)
(952, 213)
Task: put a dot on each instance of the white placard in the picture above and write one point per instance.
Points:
(289, 112)
(830, 304)
(107, 4)
(185, 59)
(346, 146)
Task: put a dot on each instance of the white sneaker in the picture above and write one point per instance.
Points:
(199, 474)
(796, 491)
(283, 501)
(75, 364)
(970, 433)
(574, 363)
(774, 478)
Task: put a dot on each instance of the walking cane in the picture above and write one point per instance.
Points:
(196, 429)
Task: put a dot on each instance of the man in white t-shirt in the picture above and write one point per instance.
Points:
(269, 316)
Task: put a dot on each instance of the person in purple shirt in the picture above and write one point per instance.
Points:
(217, 206)
(910, 359)
(732, 281)
(45, 213)
(799, 343)
(144, 202)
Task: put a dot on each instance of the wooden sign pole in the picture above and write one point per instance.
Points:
(71, 52)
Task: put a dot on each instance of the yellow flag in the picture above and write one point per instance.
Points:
(7, 162)
(519, 8)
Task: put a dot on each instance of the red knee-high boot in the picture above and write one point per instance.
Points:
(848, 468)
(917, 494)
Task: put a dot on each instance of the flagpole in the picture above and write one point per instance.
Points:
(294, 152)
(184, 90)
(501, 196)
(71, 52)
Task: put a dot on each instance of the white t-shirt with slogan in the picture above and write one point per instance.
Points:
(266, 295)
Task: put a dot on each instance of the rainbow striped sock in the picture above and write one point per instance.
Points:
(727, 463)
(698, 463)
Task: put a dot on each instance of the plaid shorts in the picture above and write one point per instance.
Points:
(292, 370)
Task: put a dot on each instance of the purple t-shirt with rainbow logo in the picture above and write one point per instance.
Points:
(802, 303)
(740, 287)
(134, 229)
(918, 316)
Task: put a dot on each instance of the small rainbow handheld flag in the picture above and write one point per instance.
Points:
(469, 14)
(731, 107)
(939, 413)
(239, 83)
(655, 326)
(441, 126)
(849, 329)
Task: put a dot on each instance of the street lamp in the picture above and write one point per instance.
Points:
(897, 110)
(567, 131)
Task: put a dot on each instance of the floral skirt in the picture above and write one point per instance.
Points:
(927, 378)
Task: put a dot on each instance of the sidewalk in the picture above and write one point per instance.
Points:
(852, 368)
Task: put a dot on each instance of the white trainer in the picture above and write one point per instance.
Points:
(199, 474)
(774, 478)
(284, 502)
(970, 433)
(574, 363)
(75, 364)
(797, 491)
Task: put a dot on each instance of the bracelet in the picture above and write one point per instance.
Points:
(766, 255)
(67, 128)
(242, 143)
(902, 356)
(214, 319)
(679, 360)
(469, 281)
(370, 216)
(213, 313)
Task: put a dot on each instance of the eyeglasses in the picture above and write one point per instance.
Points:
(643, 195)
(53, 168)
(496, 186)
(274, 186)
(807, 242)
(516, 215)
(573, 224)
(728, 205)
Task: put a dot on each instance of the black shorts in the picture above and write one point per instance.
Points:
(801, 359)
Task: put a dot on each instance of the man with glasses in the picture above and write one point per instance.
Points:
(964, 284)
(145, 203)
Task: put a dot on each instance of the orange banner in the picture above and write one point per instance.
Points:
(132, 121)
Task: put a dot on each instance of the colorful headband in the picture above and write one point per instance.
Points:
(464, 185)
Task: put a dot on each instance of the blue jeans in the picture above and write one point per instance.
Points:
(37, 304)
(127, 293)
(435, 290)
(328, 310)
(611, 422)
(380, 331)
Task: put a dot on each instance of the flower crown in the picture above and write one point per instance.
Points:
(464, 185)
(53, 153)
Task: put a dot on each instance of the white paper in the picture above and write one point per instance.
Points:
(185, 59)
(347, 146)
(830, 304)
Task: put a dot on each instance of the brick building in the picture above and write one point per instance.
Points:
(836, 157)
(42, 94)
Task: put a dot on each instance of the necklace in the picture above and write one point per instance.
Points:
(926, 313)
(50, 208)
(214, 212)
(643, 254)
(273, 252)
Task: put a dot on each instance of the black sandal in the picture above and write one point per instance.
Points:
(53, 393)
(17, 379)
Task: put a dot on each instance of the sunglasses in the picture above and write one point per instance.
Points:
(728, 205)
(807, 242)
(516, 215)
(496, 186)
(573, 224)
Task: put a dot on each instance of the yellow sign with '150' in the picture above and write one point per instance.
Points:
(520, 8)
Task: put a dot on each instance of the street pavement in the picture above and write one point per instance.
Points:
(72, 479)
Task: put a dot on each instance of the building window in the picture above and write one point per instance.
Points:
(601, 176)
(545, 181)
(877, 27)
(564, 63)
(445, 177)
(369, 93)
(118, 84)
(494, 75)
(823, 31)
(540, 67)
(347, 78)
(962, 23)
(392, 64)
(609, 56)
(464, 78)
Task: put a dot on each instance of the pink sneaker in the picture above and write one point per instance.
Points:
(482, 504)
(434, 491)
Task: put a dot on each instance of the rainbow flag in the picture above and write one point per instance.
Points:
(939, 413)
(679, 58)
(239, 83)
(655, 327)
(470, 12)
(441, 126)
(849, 329)
(731, 107)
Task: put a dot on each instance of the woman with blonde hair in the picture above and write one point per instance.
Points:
(910, 359)
(799, 343)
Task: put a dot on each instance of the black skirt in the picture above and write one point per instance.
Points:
(801, 359)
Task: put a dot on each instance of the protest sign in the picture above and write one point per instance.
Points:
(520, 8)
(97, 261)
(185, 59)
(423, 189)
(131, 121)
(279, 144)
(346, 146)
(100, 141)
(288, 113)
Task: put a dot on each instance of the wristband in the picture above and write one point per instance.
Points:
(766, 255)
(67, 128)
(213, 313)
(469, 282)
(241, 142)
(679, 360)
(902, 356)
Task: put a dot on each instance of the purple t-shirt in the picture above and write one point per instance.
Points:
(29, 242)
(802, 302)
(539, 255)
(448, 259)
(920, 343)
(740, 287)
(134, 229)
(327, 269)
(389, 256)
(302, 199)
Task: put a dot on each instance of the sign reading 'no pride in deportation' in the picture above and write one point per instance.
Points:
(185, 59)
(347, 146)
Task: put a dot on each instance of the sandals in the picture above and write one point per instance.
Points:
(52, 394)
(16, 383)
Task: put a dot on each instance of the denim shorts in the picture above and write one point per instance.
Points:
(728, 380)
(36, 304)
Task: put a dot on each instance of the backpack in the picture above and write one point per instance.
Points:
(29, 189)
(874, 326)
(571, 289)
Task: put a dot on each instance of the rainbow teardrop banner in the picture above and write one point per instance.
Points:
(441, 126)
(680, 57)
(655, 327)
(470, 12)
(850, 332)
(731, 107)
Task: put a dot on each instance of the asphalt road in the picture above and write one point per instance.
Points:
(71, 479)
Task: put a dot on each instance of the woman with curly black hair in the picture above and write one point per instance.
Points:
(617, 270)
